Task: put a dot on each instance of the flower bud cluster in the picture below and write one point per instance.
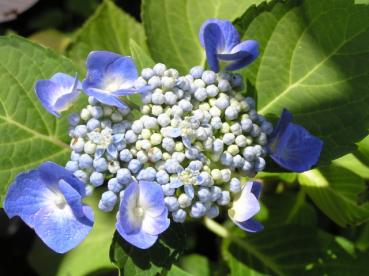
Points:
(188, 127)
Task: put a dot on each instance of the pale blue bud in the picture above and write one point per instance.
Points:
(74, 119)
(134, 165)
(147, 174)
(81, 175)
(172, 203)
(224, 199)
(96, 179)
(179, 216)
(93, 124)
(85, 161)
(114, 185)
(159, 69)
(97, 112)
(125, 155)
(72, 166)
(124, 176)
(162, 177)
(107, 201)
(80, 131)
(235, 185)
(196, 72)
(198, 210)
(147, 73)
(209, 77)
(200, 94)
(100, 164)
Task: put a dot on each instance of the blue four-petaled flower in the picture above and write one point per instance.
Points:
(110, 76)
(246, 206)
(292, 146)
(58, 93)
(143, 214)
(49, 200)
(222, 43)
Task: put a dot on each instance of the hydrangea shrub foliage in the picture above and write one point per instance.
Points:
(247, 117)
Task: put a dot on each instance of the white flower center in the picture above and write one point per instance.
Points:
(60, 201)
(139, 212)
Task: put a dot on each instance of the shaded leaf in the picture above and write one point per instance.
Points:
(336, 191)
(290, 250)
(157, 259)
(141, 58)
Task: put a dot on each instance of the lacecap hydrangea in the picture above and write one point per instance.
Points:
(191, 147)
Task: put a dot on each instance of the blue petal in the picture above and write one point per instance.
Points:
(256, 189)
(284, 120)
(26, 196)
(52, 173)
(230, 35)
(139, 239)
(126, 221)
(47, 92)
(117, 138)
(66, 81)
(57, 93)
(60, 229)
(125, 68)
(242, 54)
(105, 68)
(72, 197)
(176, 183)
(156, 225)
(97, 63)
(213, 40)
(296, 149)
(104, 97)
(250, 225)
(151, 198)
(112, 150)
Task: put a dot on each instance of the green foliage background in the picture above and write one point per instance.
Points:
(314, 61)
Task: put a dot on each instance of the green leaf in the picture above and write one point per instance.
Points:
(290, 250)
(29, 134)
(294, 210)
(258, 23)
(336, 191)
(157, 259)
(110, 29)
(315, 64)
(141, 58)
(353, 164)
(92, 255)
(177, 271)
(172, 27)
(196, 265)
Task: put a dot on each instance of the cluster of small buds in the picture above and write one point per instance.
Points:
(188, 125)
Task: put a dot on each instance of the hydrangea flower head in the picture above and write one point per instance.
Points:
(58, 93)
(109, 76)
(246, 206)
(142, 214)
(48, 199)
(292, 146)
(222, 43)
